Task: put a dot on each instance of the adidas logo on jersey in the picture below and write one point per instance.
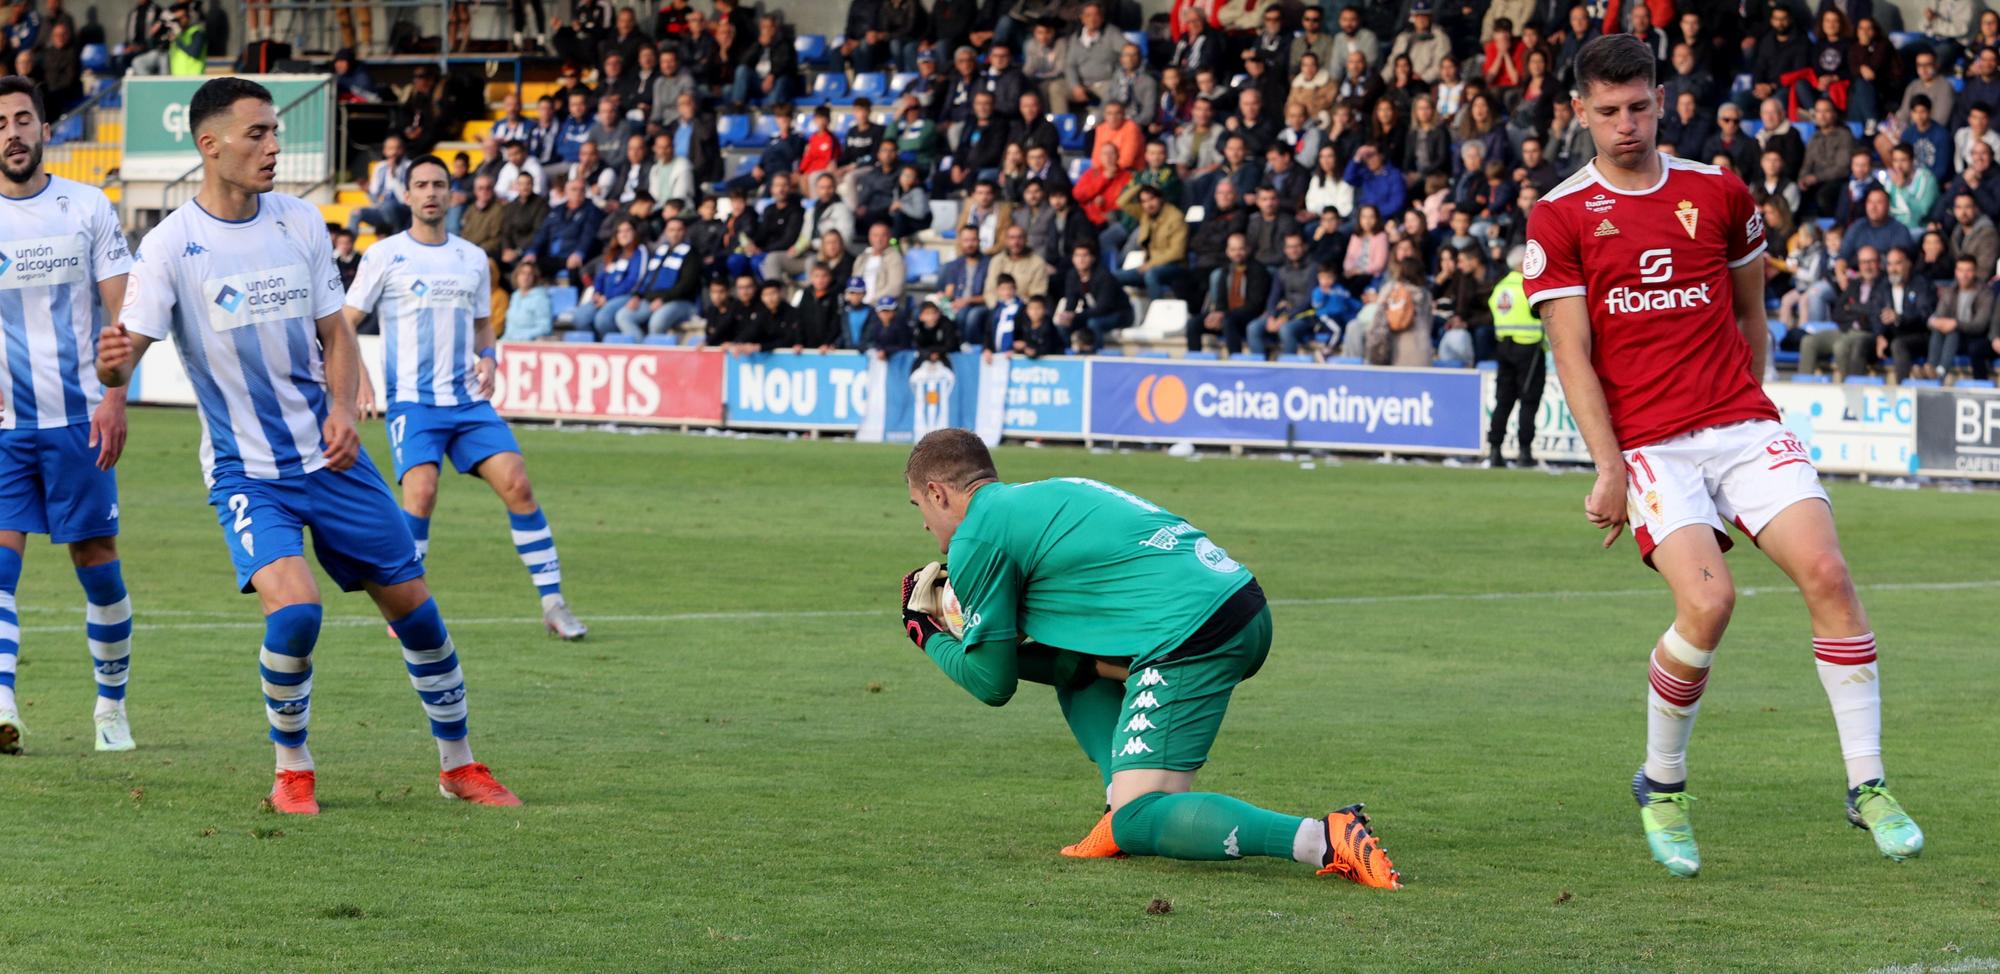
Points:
(1152, 678)
(1145, 701)
(1139, 723)
(1133, 746)
(1605, 229)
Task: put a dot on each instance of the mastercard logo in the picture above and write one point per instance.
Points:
(1162, 398)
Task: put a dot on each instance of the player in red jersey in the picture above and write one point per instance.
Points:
(1647, 272)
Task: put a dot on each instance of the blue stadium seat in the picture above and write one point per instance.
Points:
(113, 97)
(1976, 384)
(1752, 126)
(561, 299)
(580, 336)
(1825, 223)
(68, 130)
(1138, 37)
(1742, 83)
(744, 165)
(1111, 353)
(1201, 356)
(828, 87)
(667, 340)
(921, 266)
(1866, 380)
(1923, 383)
(1812, 379)
(1077, 167)
(97, 58)
(1489, 365)
(900, 81)
(811, 49)
(842, 123)
(872, 85)
(733, 131)
(1805, 130)
(1957, 83)
(1153, 353)
(1070, 128)
(1346, 360)
(620, 338)
(1858, 129)
(1783, 357)
(1299, 357)
(763, 128)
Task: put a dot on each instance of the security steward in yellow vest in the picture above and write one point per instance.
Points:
(1523, 367)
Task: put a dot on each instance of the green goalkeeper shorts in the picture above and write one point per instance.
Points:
(1174, 707)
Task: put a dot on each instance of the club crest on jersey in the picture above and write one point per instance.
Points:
(1653, 503)
(1688, 214)
(1605, 229)
(1535, 261)
(1599, 203)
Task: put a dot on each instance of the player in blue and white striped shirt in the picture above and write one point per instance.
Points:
(433, 294)
(63, 260)
(242, 279)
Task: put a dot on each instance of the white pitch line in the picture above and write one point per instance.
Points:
(1967, 965)
(753, 615)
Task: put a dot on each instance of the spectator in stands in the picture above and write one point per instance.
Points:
(962, 283)
(1197, 50)
(1780, 51)
(1689, 76)
(1376, 183)
(1928, 85)
(640, 213)
(1859, 308)
(542, 134)
(1977, 130)
(188, 56)
(530, 314)
(822, 320)
(1299, 136)
(147, 34)
(1963, 319)
(1045, 64)
(1773, 184)
(672, 82)
(1912, 190)
(910, 207)
(985, 216)
(1237, 294)
(520, 218)
(483, 222)
(1399, 333)
(1160, 236)
(1931, 141)
(1196, 147)
(1367, 250)
(1973, 235)
(1428, 49)
(1036, 216)
(728, 307)
(1827, 159)
(1326, 189)
(387, 186)
(1093, 305)
(1002, 79)
(346, 259)
(610, 129)
(615, 287)
(1267, 228)
(670, 178)
(425, 122)
(574, 129)
(1934, 262)
(793, 255)
(1686, 124)
(1029, 271)
(1879, 230)
(1288, 321)
(567, 237)
(1810, 266)
(834, 253)
(695, 140)
(768, 69)
(588, 170)
(667, 291)
(888, 332)
(1097, 192)
(1861, 177)
(1328, 48)
(881, 266)
(875, 187)
(1729, 140)
(615, 77)
(630, 176)
(1901, 327)
(1462, 299)
(1133, 87)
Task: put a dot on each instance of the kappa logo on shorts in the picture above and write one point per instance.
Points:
(1134, 745)
(1140, 723)
(1152, 678)
(1145, 701)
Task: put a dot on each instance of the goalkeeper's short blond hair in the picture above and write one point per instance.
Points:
(953, 457)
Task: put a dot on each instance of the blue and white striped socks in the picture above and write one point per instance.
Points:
(420, 531)
(285, 664)
(537, 547)
(108, 627)
(10, 625)
(433, 664)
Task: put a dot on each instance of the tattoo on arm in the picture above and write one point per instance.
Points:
(1706, 575)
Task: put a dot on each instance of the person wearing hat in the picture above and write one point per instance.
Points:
(1426, 46)
(886, 333)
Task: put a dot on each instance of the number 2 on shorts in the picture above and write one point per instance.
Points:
(240, 504)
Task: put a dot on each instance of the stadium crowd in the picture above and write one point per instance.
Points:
(1350, 182)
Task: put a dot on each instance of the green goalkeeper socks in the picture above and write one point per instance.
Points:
(1092, 712)
(1202, 825)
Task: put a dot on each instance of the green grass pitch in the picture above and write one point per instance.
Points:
(747, 767)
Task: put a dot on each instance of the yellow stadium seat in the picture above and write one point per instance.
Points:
(363, 242)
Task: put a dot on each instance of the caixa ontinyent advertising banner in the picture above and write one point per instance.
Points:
(1958, 433)
(612, 383)
(1402, 410)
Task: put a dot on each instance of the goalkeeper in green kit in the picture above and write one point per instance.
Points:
(1156, 624)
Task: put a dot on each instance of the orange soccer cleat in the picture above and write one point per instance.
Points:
(474, 783)
(292, 794)
(1097, 845)
(1352, 851)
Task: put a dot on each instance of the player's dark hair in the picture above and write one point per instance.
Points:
(219, 94)
(1007, 279)
(15, 84)
(1614, 59)
(428, 161)
(1923, 100)
(954, 457)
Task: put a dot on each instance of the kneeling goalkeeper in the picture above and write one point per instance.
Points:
(1127, 590)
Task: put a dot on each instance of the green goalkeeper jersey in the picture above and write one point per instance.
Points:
(1085, 566)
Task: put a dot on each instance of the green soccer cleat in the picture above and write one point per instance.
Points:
(1668, 832)
(1871, 807)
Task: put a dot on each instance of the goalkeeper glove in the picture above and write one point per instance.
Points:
(918, 625)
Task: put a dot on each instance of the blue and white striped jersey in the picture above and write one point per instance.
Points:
(55, 246)
(239, 299)
(427, 297)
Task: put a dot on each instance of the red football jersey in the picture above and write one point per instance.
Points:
(1654, 268)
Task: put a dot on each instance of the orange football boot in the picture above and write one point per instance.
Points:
(1097, 845)
(474, 783)
(1352, 851)
(292, 794)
